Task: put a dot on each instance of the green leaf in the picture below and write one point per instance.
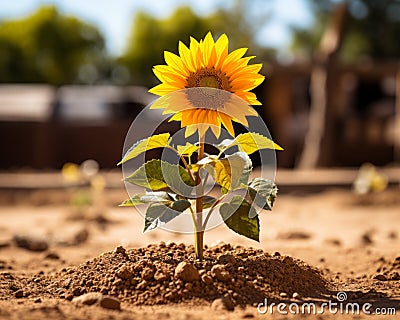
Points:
(160, 214)
(231, 172)
(249, 143)
(148, 197)
(208, 201)
(155, 173)
(241, 217)
(263, 192)
(187, 150)
(177, 178)
(180, 205)
(153, 142)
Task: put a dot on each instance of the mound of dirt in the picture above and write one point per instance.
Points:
(168, 273)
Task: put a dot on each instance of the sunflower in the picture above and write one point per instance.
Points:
(206, 86)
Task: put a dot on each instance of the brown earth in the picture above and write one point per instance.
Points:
(57, 262)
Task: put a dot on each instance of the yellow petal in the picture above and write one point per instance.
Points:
(202, 130)
(221, 48)
(190, 130)
(235, 65)
(187, 117)
(215, 122)
(163, 89)
(176, 117)
(227, 122)
(250, 70)
(249, 97)
(170, 78)
(207, 46)
(184, 52)
(216, 130)
(242, 84)
(169, 72)
(234, 56)
(176, 63)
(195, 53)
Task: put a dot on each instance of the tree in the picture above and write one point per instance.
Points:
(372, 29)
(50, 47)
(150, 37)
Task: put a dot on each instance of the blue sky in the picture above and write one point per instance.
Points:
(114, 17)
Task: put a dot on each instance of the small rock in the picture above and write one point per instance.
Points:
(226, 258)
(120, 249)
(4, 244)
(169, 243)
(37, 300)
(80, 237)
(294, 235)
(207, 279)
(187, 272)
(31, 243)
(88, 298)
(333, 242)
(142, 285)
(147, 273)
(13, 287)
(69, 297)
(219, 272)
(366, 238)
(160, 276)
(67, 282)
(223, 303)
(395, 276)
(52, 256)
(296, 295)
(188, 286)
(380, 277)
(276, 254)
(248, 316)
(283, 295)
(392, 235)
(169, 295)
(19, 293)
(109, 302)
(124, 272)
(287, 260)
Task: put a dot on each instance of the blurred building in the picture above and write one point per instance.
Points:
(363, 112)
(43, 127)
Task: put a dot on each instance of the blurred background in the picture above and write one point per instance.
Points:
(74, 74)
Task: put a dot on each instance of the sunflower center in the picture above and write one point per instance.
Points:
(210, 82)
(209, 78)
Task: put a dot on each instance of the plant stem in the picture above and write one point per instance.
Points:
(210, 211)
(199, 232)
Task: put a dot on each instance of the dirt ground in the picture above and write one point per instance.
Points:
(352, 243)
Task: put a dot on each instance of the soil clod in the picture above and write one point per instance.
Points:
(187, 272)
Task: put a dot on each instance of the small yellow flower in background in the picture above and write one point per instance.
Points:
(71, 172)
(208, 64)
